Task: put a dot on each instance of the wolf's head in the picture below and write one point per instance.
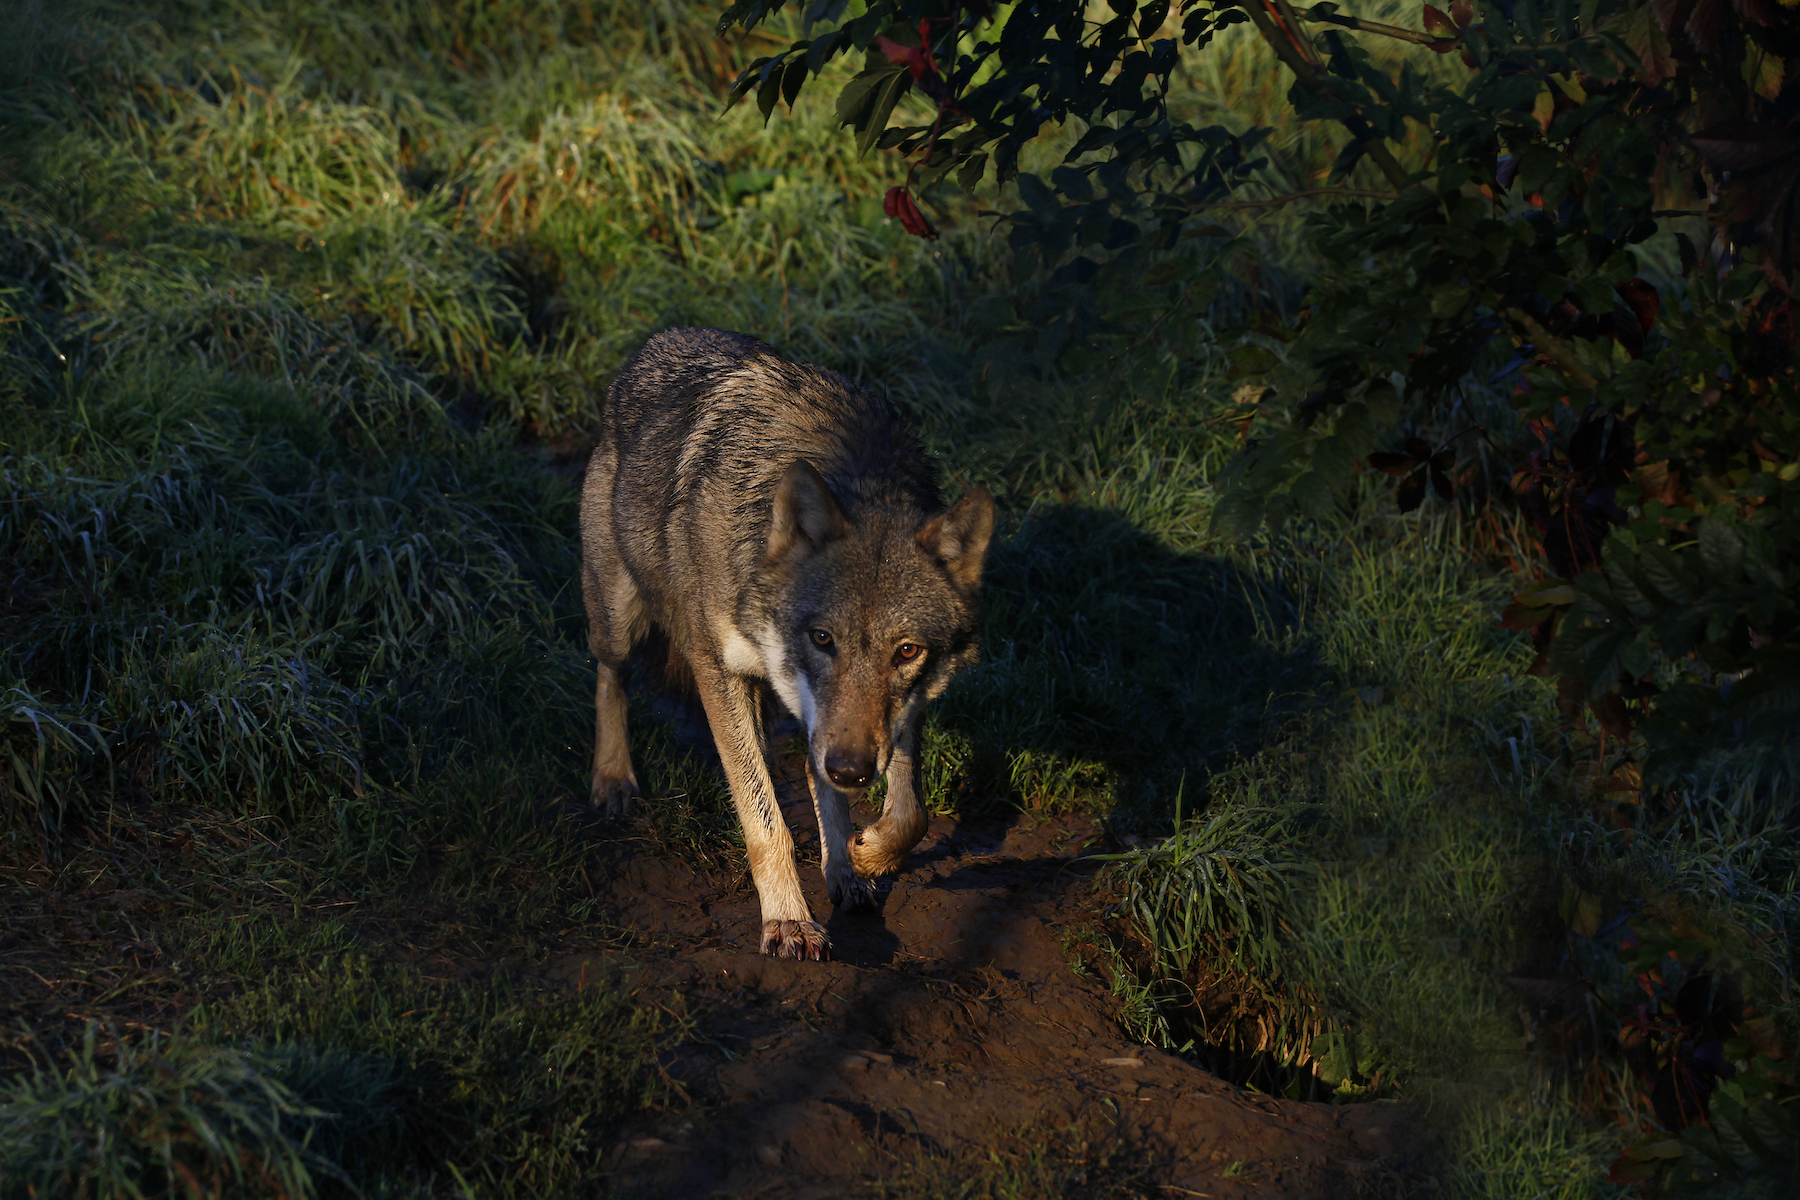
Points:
(871, 617)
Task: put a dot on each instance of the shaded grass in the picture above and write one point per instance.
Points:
(351, 1075)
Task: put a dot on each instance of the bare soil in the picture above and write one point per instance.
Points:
(950, 1029)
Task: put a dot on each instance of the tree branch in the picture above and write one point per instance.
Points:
(1292, 22)
(1285, 50)
(1550, 346)
(1393, 31)
(1306, 194)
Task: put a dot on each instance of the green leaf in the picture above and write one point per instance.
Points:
(969, 174)
(1239, 514)
(1151, 19)
(1072, 183)
(1313, 494)
(887, 93)
(1663, 572)
(1721, 550)
(791, 79)
(1548, 592)
(769, 92)
(823, 50)
(854, 100)
(1383, 402)
(751, 76)
(1252, 359)
(1040, 199)
(1525, 16)
(1638, 657)
(1203, 289)
(1355, 429)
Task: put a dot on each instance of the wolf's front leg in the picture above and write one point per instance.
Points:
(733, 709)
(882, 847)
(847, 889)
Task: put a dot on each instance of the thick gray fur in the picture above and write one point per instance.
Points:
(781, 526)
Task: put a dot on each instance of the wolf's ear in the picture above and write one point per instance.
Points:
(959, 538)
(806, 516)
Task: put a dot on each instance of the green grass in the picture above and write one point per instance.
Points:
(304, 308)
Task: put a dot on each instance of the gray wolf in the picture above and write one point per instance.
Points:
(780, 525)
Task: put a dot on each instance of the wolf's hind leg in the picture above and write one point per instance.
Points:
(847, 889)
(615, 783)
(734, 710)
(616, 621)
(882, 847)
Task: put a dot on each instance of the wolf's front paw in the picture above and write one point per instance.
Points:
(852, 893)
(796, 939)
(616, 796)
(870, 858)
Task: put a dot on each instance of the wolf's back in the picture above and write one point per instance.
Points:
(705, 422)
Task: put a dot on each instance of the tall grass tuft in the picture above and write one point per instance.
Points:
(54, 767)
(160, 1116)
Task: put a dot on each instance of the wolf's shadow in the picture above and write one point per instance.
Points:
(1116, 663)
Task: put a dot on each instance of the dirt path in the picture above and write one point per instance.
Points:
(950, 1021)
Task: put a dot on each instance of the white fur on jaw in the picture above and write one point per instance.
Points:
(741, 655)
(790, 686)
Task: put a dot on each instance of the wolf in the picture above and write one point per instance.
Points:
(780, 525)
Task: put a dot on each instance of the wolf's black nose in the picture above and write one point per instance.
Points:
(848, 768)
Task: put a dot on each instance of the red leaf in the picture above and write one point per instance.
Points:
(1642, 299)
(916, 59)
(911, 219)
(1437, 22)
(1412, 491)
(1614, 718)
(1521, 616)
(890, 204)
(893, 51)
(1463, 13)
(926, 63)
(1709, 20)
(1417, 448)
(1743, 146)
(1393, 464)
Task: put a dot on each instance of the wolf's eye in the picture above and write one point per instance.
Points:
(820, 638)
(907, 652)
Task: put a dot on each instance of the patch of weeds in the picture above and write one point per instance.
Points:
(1206, 966)
(505, 1084)
(1091, 951)
(1532, 1146)
(686, 805)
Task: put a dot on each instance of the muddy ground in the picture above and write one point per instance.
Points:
(949, 1024)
